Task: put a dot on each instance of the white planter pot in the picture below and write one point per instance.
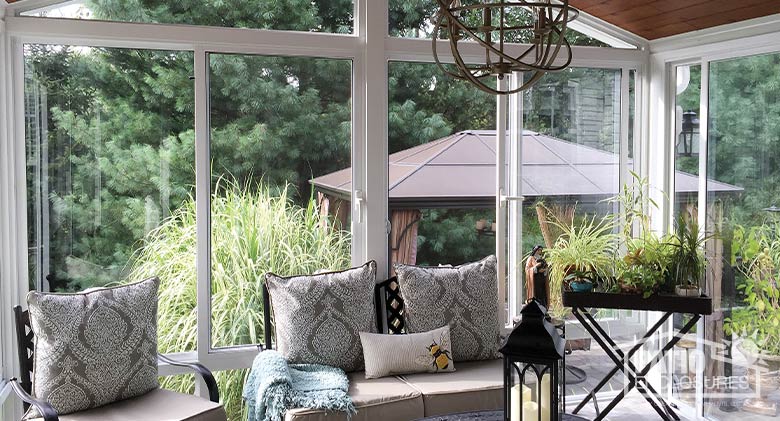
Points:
(687, 292)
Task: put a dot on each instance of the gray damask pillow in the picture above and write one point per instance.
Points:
(94, 348)
(319, 317)
(464, 297)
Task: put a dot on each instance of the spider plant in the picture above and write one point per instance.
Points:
(587, 246)
(687, 262)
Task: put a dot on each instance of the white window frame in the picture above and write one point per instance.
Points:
(370, 49)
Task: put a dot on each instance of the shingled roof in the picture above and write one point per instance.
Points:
(459, 171)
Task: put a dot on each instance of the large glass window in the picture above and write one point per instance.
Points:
(292, 15)
(743, 170)
(108, 158)
(442, 146)
(441, 167)
(110, 174)
(277, 124)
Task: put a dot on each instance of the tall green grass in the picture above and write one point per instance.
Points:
(254, 230)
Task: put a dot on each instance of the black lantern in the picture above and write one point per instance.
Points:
(690, 127)
(533, 368)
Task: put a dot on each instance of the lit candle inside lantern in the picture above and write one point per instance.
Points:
(544, 398)
(526, 394)
(530, 411)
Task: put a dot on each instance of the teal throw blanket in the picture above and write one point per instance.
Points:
(274, 386)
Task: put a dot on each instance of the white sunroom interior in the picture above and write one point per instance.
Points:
(113, 119)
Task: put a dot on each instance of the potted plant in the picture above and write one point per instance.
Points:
(579, 281)
(644, 269)
(687, 259)
(584, 252)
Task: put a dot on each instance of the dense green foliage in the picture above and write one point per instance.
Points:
(758, 322)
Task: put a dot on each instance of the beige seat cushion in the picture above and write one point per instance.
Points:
(474, 386)
(386, 399)
(157, 405)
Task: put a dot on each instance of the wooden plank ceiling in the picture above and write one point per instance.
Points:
(653, 19)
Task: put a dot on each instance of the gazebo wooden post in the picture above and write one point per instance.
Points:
(403, 236)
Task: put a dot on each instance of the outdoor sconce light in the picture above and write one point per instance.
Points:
(690, 127)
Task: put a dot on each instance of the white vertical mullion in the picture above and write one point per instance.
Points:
(623, 174)
(658, 170)
(202, 207)
(659, 118)
(704, 118)
(372, 30)
(501, 189)
(515, 231)
(359, 167)
(13, 192)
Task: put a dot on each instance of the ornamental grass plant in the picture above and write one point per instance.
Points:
(254, 229)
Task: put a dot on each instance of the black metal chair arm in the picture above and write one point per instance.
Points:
(47, 411)
(201, 370)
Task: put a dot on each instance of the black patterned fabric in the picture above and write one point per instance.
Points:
(464, 297)
(319, 317)
(94, 348)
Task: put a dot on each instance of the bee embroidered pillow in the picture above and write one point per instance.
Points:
(387, 355)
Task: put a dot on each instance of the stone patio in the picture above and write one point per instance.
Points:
(597, 364)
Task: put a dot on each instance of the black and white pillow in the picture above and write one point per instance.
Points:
(319, 317)
(94, 348)
(464, 297)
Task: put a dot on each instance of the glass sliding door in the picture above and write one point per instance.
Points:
(683, 363)
(743, 192)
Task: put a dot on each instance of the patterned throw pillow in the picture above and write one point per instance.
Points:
(427, 352)
(319, 317)
(464, 297)
(94, 348)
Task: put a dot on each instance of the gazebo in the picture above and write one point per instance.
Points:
(458, 171)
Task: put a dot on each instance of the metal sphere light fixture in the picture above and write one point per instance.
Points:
(492, 25)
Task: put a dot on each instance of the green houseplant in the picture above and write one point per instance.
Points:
(584, 252)
(645, 267)
(687, 262)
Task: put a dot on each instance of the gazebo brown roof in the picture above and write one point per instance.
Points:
(459, 171)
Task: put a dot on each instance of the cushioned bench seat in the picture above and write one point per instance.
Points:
(474, 386)
(159, 404)
(386, 399)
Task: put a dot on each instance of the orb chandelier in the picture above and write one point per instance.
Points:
(493, 24)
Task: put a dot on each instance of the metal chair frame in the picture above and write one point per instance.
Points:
(22, 386)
